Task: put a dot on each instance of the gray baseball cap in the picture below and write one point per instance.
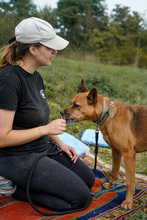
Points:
(35, 30)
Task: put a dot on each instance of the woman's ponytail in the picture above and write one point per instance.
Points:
(8, 56)
(14, 52)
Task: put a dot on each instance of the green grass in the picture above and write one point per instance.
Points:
(62, 82)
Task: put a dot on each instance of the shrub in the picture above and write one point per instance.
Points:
(103, 84)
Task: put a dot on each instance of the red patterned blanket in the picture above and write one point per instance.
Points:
(106, 204)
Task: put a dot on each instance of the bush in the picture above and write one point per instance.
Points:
(103, 84)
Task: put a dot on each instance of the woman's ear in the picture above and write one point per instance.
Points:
(32, 50)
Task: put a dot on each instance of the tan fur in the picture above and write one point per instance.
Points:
(125, 133)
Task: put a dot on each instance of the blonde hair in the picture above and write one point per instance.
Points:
(14, 52)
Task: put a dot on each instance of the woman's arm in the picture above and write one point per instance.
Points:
(66, 148)
(9, 137)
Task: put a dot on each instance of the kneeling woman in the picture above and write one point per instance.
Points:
(25, 127)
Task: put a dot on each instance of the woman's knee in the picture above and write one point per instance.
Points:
(82, 199)
(84, 172)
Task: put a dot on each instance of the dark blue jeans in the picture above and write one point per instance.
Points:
(53, 184)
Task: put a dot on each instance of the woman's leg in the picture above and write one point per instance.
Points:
(50, 178)
(79, 168)
(42, 199)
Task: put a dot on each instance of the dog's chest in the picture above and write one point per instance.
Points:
(111, 138)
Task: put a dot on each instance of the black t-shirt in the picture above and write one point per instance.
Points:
(24, 93)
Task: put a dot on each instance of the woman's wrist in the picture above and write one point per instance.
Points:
(42, 130)
(40, 133)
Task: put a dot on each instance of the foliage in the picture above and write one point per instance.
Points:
(20, 9)
(48, 14)
(11, 13)
(119, 38)
(7, 28)
(77, 17)
(103, 83)
(130, 23)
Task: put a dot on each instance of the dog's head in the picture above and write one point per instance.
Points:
(83, 106)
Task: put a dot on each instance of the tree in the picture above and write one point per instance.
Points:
(7, 28)
(48, 14)
(130, 23)
(75, 18)
(21, 9)
(11, 13)
(111, 36)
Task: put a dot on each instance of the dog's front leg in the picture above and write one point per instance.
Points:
(116, 160)
(129, 159)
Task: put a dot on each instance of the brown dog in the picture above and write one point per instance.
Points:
(124, 128)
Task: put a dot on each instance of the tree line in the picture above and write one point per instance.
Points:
(119, 38)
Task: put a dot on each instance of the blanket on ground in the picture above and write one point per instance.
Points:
(106, 203)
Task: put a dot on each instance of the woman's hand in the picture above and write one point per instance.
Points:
(54, 128)
(70, 151)
(61, 123)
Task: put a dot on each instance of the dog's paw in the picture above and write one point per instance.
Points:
(108, 185)
(126, 205)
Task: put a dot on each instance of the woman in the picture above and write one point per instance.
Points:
(25, 127)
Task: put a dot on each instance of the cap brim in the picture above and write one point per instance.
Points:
(56, 43)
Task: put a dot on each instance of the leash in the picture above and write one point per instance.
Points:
(99, 122)
(28, 189)
(96, 146)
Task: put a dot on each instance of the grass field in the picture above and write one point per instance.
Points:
(124, 84)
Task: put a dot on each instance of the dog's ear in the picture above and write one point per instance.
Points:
(92, 96)
(83, 86)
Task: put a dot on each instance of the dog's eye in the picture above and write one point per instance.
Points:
(75, 105)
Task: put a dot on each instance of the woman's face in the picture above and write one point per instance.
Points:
(44, 55)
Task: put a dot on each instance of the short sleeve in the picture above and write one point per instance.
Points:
(9, 93)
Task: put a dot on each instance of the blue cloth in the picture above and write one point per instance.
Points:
(88, 137)
(80, 147)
